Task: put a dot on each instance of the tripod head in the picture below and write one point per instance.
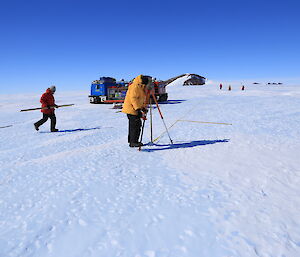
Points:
(148, 81)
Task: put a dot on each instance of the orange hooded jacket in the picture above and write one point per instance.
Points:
(135, 97)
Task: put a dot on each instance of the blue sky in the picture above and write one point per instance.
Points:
(70, 43)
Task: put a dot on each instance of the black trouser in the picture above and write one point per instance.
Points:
(45, 118)
(134, 129)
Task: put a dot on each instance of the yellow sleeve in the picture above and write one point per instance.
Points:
(137, 97)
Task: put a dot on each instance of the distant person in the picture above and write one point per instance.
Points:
(243, 88)
(221, 86)
(47, 100)
(229, 88)
(135, 107)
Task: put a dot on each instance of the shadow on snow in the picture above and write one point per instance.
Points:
(171, 102)
(71, 130)
(158, 147)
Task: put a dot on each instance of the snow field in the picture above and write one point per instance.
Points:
(219, 191)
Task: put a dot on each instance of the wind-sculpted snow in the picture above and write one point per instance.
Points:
(220, 190)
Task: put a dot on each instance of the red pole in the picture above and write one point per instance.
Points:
(155, 100)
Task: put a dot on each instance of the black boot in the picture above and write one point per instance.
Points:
(136, 144)
(36, 127)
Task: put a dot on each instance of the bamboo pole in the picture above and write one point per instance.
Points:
(6, 126)
(44, 108)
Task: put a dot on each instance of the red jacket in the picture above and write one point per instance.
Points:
(47, 99)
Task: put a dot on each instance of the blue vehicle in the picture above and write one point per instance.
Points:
(107, 90)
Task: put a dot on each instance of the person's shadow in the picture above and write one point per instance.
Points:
(71, 130)
(159, 147)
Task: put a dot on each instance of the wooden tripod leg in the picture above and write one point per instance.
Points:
(162, 118)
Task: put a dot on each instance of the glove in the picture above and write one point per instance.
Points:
(48, 107)
(56, 106)
(144, 110)
(139, 113)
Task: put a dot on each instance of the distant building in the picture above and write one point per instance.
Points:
(189, 79)
(195, 79)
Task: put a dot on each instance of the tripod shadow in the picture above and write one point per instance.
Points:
(159, 147)
(71, 130)
(172, 102)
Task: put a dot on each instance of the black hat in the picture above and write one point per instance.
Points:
(145, 80)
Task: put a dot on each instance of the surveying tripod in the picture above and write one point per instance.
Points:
(149, 96)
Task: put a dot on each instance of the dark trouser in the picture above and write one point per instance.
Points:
(134, 129)
(45, 118)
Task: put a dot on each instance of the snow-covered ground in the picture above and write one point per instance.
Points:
(219, 190)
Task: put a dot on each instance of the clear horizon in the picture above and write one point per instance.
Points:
(71, 43)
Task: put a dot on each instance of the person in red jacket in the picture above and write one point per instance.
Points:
(47, 100)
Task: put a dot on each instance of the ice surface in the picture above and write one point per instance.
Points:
(219, 191)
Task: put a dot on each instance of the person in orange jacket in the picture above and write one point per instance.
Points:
(135, 107)
(47, 100)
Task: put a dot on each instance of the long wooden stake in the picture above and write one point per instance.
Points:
(44, 108)
(6, 126)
